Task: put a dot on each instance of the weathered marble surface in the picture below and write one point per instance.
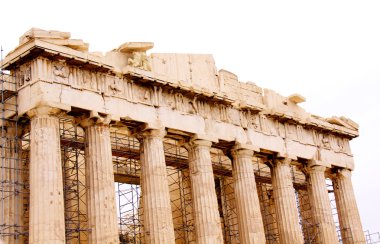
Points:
(186, 96)
(101, 207)
(251, 228)
(183, 92)
(207, 224)
(46, 213)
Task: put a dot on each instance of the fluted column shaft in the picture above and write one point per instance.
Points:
(46, 217)
(285, 203)
(320, 206)
(251, 228)
(205, 205)
(158, 222)
(349, 218)
(101, 203)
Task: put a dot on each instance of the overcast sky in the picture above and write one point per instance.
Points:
(328, 51)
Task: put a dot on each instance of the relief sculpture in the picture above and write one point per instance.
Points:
(253, 121)
(325, 141)
(156, 96)
(243, 118)
(129, 90)
(194, 105)
(223, 113)
(28, 74)
(115, 86)
(60, 72)
(268, 125)
(179, 102)
(291, 131)
(24, 75)
(281, 129)
(204, 109)
(139, 60)
(339, 144)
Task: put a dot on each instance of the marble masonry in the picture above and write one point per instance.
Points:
(213, 159)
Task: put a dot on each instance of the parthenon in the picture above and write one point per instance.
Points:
(137, 147)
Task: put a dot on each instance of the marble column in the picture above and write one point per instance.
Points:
(158, 221)
(348, 213)
(205, 205)
(46, 213)
(101, 203)
(320, 206)
(251, 228)
(13, 175)
(289, 228)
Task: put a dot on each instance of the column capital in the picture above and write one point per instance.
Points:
(94, 118)
(44, 111)
(314, 162)
(251, 147)
(152, 133)
(316, 168)
(286, 161)
(199, 142)
(345, 173)
(241, 152)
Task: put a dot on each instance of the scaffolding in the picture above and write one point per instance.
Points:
(128, 191)
(310, 230)
(13, 168)
(180, 191)
(372, 238)
(225, 194)
(344, 235)
(73, 173)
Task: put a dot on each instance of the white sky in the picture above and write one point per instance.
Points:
(328, 51)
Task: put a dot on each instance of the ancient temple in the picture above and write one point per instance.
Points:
(137, 147)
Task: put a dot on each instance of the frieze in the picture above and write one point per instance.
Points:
(60, 72)
(339, 144)
(223, 115)
(332, 142)
(128, 89)
(115, 86)
(305, 135)
(179, 102)
(233, 116)
(187, 103)
(24, 74)
(156, 96)
(249, 119)
(268, 125)
(89, 80)
(201, 107)
(291, 131)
